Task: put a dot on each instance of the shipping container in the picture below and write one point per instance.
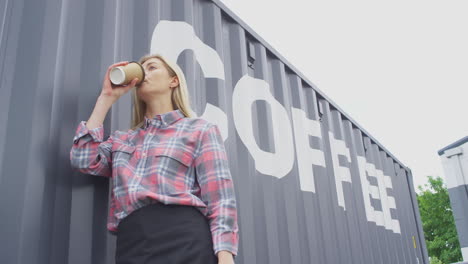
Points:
(312, 185)
(454, 159)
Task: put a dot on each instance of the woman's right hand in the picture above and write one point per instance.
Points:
(114, 92)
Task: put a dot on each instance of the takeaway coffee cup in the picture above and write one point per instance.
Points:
(122, 75)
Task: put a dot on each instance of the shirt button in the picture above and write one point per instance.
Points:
(144, 154)
(151, 134)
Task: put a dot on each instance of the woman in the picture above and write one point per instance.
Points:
(172, 198)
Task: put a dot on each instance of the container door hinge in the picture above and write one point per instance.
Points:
(250, 54)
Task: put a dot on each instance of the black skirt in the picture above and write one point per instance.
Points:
(166, 234)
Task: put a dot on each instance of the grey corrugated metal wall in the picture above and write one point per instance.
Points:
(455, 162)
(312, 186)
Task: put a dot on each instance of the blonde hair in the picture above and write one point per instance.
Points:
(180, 96)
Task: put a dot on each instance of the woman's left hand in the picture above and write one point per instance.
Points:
(225, 257)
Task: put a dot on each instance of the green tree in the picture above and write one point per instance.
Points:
(438, 222)
(435, 260)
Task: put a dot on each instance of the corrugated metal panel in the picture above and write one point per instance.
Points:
(455, 162)
(312, 185)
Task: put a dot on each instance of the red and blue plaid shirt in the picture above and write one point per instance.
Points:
(171, 159)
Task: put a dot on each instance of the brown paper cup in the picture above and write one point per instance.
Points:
(125, 74)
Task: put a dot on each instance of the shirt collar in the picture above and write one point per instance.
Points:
(164, 119)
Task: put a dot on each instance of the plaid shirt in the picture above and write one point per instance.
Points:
(171, 159)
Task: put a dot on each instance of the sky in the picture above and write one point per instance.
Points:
(398, 68)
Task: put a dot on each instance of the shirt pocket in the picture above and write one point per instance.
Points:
(173, 166)
(182, 157)
(122, 153)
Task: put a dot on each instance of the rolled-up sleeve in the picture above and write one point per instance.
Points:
(90, 154)
(217, 190)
